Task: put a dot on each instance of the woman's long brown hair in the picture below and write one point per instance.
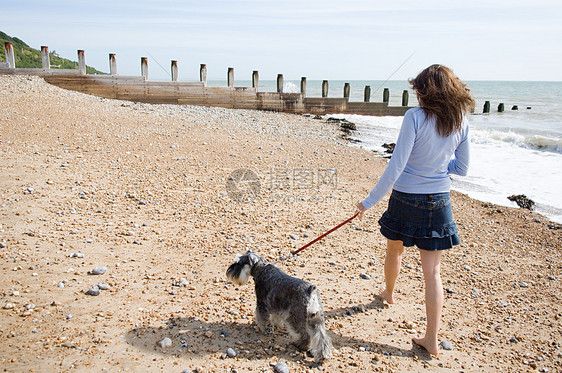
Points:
(443, 96)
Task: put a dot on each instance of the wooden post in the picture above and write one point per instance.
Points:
(255, 80)
(501, 107)
(280, 83)
(10, 58)
(45, 60)
(303, 86)
(230, 77)
(386, 95)
(112, 64)
(81, 62)
(405, 97)
(486, 107)
(144, 67)
(324, 88)
(203, 74)
(174, 71)
(367, 95)
(346, 90)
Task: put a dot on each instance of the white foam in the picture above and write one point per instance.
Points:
(289, 87)
(540, 142)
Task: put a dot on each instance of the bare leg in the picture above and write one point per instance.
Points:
(392, 263)
(433, 299)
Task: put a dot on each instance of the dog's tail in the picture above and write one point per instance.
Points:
(320, 342)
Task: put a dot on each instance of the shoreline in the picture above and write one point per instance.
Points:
(140, 189)
(483, 183)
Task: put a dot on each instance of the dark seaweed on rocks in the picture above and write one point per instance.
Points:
(344, 123)
(389, 147)
(346, 127)
(522, 201)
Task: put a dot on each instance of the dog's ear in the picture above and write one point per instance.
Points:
(254, 258)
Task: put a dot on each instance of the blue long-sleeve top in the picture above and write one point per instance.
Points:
(422, 159)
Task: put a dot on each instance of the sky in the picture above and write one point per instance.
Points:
(319, 39)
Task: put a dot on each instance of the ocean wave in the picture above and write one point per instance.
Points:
(538, 142)
(289, 87)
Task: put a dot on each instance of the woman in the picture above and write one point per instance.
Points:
(419, 210)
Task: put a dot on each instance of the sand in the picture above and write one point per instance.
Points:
(142, 190)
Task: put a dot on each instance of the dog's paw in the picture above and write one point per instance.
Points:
(265, 329)
(269, 329)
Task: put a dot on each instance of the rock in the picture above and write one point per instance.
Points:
(98, 270)
(365, 276)
(165, 343)
(348, 126)
(2, 245)
(76, 255)
(230, 352)
(407, 325)
(182, 282)
(389, 147)
(522, 201)
(446, 345)
(8, 306)
(281, 368)
(103, 286)
(94, 291)
(523, 284)
(60, 285)
(344, 123)
(294, 237)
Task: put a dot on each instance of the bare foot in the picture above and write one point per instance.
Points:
(429, 346)
(388, 298)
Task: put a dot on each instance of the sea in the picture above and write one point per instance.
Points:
(517, 151)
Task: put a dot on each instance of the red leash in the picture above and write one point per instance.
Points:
(325, 234)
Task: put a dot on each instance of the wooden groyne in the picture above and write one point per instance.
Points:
(141, 89)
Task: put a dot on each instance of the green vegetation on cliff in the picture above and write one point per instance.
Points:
(28, 57)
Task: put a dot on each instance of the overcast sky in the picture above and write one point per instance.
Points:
(319, 39)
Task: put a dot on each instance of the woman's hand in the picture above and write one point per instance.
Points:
(360, 209)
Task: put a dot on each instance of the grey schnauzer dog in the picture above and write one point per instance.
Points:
(286, 301)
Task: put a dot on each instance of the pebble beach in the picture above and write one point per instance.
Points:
(118, 221)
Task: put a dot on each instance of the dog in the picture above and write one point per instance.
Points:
(286, 301)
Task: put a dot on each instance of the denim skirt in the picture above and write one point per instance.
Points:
(423, 220)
